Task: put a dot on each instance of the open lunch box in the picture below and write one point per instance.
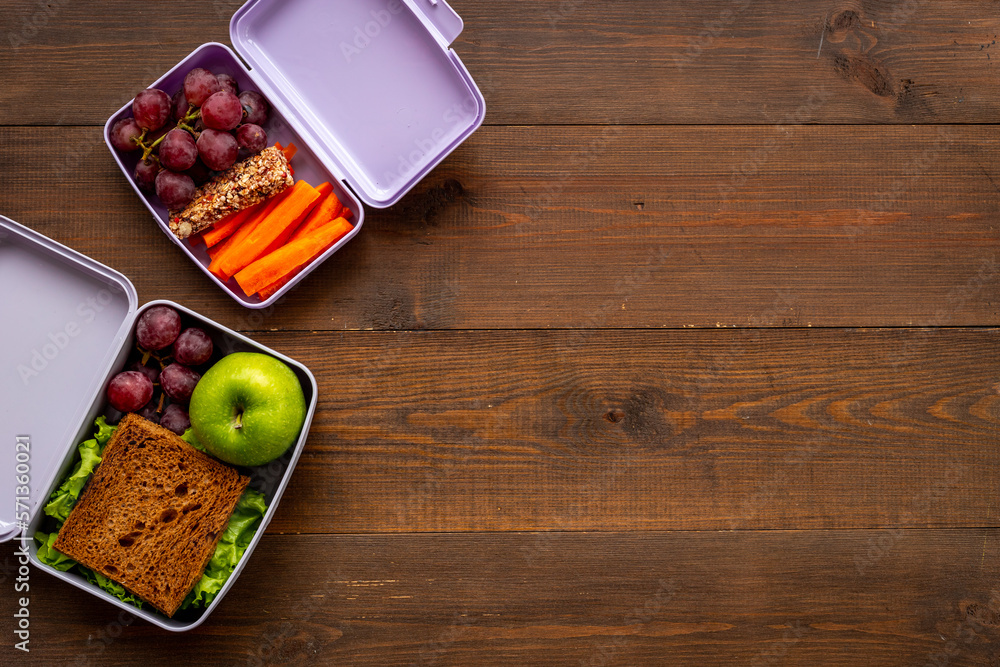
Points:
(74, 331)
(373, 98)
(369, 91)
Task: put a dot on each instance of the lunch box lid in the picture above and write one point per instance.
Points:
(65, 317)
(372, 85)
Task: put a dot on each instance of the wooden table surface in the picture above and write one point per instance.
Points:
(688, 356)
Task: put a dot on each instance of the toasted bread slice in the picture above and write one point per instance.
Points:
(152, 514)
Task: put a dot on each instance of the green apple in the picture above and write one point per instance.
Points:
(248, 408)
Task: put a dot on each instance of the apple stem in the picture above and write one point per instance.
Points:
(239, 420)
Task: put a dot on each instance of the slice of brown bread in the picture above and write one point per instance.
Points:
(152, 514)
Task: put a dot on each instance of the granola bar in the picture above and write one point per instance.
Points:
(244, 184)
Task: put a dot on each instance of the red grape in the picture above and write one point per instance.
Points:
(218, 150)
(199, 173)
(124, 134)
(199, 84)
(151, 109)
(151, 137)
(149, 411)
(251, 137)
(176, 419)
(129, 391)
(145, 174)
(179, 105)
(148, 371)
(256, 107)
(178, 382)
(158, 327)
(222, 111)
(228, 83)
(178, 151)
(193, 347)
(175, 190)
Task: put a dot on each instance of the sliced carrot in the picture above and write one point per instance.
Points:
(243, 232)
(323, 189)
(326, 210)
(224, 228)
(288, 258)
(290, 150)
(300, 199)
(215, 250)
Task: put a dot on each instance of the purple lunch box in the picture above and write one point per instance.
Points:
(71, 323)
(369, 91)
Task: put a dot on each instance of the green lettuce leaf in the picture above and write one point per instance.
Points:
(190, 439)
(232, 545)
(104, 432)
(63, 499)
(112, 587)
(48, 555)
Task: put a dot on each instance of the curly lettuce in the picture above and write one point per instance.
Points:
(48, 555)
(232, 545)
(63, 499)
(242, 526)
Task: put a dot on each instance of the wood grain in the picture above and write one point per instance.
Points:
(571, 62)
(689, 598)
(649, 430)
(600, 227)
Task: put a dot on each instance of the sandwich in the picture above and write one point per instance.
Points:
(246, 183)
(152, 514)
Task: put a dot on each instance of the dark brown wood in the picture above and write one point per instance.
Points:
(600, 227)
(803, 428)
(540, 337)
(569, 61)
(912, 597)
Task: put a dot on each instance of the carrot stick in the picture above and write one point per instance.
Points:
(300, 199)
(323, 189)
(288, 258)
(243, 232)
(224, 228)
(290, 150)
(326, 210)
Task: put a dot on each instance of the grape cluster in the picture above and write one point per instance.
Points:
(205, 127)
(166, 354)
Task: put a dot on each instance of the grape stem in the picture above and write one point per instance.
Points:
(149, 149)
(185, 126)
(194, 113)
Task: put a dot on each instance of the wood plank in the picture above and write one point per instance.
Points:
(795, 598)
(540, 227)
(650, 430)
(566, 61)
